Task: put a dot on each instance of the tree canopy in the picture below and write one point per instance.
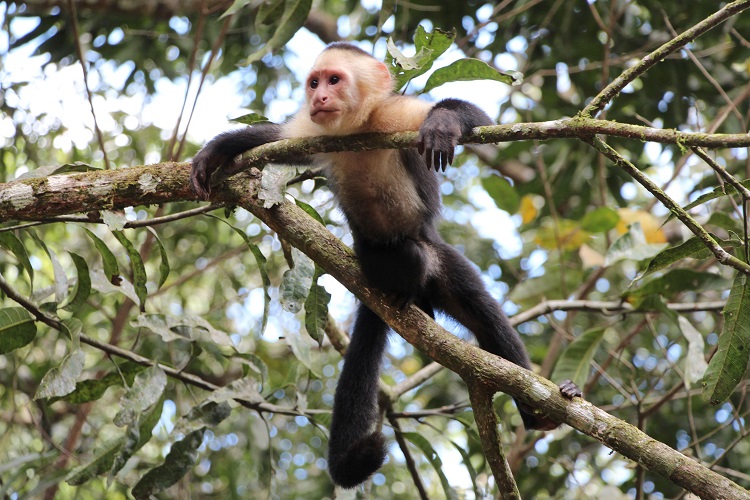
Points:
(151, 345)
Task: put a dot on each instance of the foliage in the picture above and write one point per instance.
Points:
(633, 306)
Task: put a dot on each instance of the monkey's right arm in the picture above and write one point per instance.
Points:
(222, 149)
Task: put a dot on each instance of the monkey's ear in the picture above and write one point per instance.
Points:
(385, 75)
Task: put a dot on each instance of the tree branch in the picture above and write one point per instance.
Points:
(613, 89)
(64, 194)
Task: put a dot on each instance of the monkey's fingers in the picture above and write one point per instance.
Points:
(200, 182)
(569, 389)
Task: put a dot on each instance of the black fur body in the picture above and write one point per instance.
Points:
(391, 200)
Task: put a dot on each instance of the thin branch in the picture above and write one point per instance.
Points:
(154, 221)
(605, 307)
(82, 60)
(613, 89)
(410, 464)
(417, 379)
(721, 255)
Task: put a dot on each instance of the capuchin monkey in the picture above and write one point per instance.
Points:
(391, 200)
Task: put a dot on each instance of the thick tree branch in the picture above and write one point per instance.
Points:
(37, 198)
(475, 366)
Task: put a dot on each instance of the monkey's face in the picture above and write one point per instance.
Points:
(331, 93)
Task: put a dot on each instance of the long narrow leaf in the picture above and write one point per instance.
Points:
(429, 452)
(728, 366)
(136, 265)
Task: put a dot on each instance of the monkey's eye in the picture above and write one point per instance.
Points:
(334, 80)
(314, 83)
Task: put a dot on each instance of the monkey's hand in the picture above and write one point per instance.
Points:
(205, 163)
(438, 138)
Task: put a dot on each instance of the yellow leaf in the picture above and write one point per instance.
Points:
(650, 224)
(590, 257)
(528, 209)
(568, 235)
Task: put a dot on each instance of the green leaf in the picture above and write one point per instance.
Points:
(105, 458)
(429, 452)
(302, 347)
(178, 462)
(632, 246)
(184, 328)
(206, 414)
(82, 289)
(61, 380)
(260, 260)
(136, 265)
(316, 309)
(146, 390)
(9, 241)
(68, 168)
(692, 248)
(600, 220)
(93, 389)
(164, 265)
(17, 328)
(295, 15)
(269, 12)
(575, 362)
(466, 459)
(252, 362)
(725, 221)
(503, 194)
(428, 47)
(111, 269)
(246, 389)
(250, 119)
(465, 70)
(238, 5)
(680, 280)
(727, 368)
(310, 211)
(61, 280)
(296, 282)
(718, 192)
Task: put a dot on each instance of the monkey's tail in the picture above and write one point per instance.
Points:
(355, 449)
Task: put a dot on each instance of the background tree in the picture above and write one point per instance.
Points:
(604, 291)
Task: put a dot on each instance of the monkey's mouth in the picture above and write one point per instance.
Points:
(322, 116)
(323, 112)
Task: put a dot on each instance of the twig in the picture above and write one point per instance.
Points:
(77, 35)
(410, 464)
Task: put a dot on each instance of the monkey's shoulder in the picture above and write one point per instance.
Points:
(399, 113)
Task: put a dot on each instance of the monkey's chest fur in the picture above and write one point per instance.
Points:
(377, 194)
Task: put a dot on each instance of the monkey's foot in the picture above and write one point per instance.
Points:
(533, 420)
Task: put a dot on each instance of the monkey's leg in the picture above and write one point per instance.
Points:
(459, 292)
(355, 448)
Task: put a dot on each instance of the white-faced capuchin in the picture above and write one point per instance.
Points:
(391, 200)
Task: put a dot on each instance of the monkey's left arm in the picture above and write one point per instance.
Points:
(222, 149)
(446, 123)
